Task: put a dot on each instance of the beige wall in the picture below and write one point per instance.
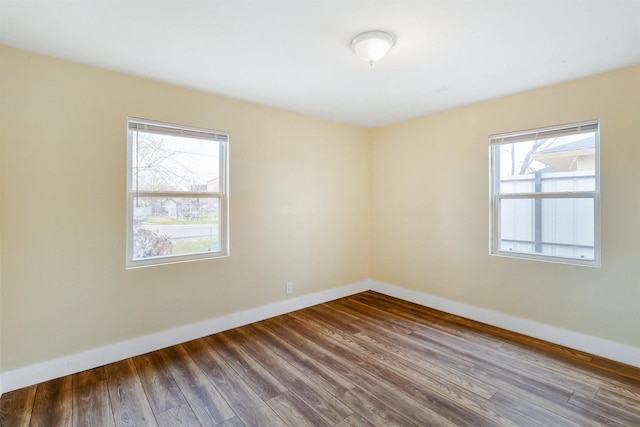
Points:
(318, 203)
(299, 204)
(430, 209)
(2, 114)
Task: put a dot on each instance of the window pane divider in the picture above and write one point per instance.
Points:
(177, 194)
(561, 195)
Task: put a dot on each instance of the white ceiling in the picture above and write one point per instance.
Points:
(295, 54)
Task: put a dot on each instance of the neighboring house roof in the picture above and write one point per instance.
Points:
(582, 144)
(566, 157)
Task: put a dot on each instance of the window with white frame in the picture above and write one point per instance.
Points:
(176, 193)
(545, 193)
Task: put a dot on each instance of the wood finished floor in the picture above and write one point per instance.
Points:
(364, 360)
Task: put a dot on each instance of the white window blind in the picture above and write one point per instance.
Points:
(545, 133)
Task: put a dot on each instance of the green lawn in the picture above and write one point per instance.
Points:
(163, 220)
(186, 246)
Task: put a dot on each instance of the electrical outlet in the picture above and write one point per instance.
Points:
(288, 289)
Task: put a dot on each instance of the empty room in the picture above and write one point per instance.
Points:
(320, 213)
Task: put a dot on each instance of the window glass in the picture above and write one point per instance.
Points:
(174, 163)
(176, 193)
(564, 163)
(545, 193)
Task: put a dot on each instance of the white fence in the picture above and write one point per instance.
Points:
(561, 227)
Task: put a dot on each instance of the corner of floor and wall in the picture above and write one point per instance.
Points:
(335, 209)
(113, 352)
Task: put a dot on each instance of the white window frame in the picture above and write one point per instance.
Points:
(495, 141)
(222, 195)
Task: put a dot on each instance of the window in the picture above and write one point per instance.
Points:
(545, 198)
(176, 193)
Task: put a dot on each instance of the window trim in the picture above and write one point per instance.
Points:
(495, 197)
(222, 194)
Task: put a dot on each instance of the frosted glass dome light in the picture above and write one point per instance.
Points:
(371, 46)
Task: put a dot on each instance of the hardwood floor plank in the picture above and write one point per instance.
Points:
(630, 391)
(534, 412)
(161, 389)
(414, 321)
(514, 364)
(424, 318)
(489, 351)
(422, 351)
(456, 404)
(406, 309)
(295, 412)
(178, 416)
(16, 407)
(91, 405)
(334, 384)
(606, 410)
(490, 376)
(347, 322)
(358, 370)
(206, 401)
(310, 392)
(401, 352)
(245, 402)
(262, 382)
(376, 412)
(479, 362)
(53, 403)
(363, 346)
(488, 330)
(538, 397)
(621, 401)
(354, 420)
(411, 359)
(449, 400)
(129, 402)
(531, 342)
(89, 377)
(323, 349)
(231, 422)
(565, 367)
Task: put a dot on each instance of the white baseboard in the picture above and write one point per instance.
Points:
(37, 373)
(575, 340)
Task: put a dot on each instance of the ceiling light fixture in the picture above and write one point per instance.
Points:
(371, 46)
